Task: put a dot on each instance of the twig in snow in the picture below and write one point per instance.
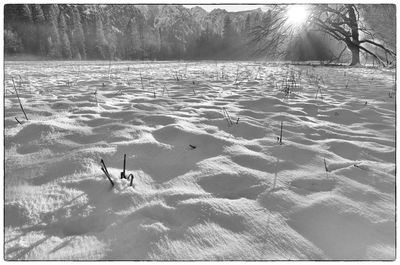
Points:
(320, 92)
(120, 91)
(141, 80)
(20, 81)
(13, 92)
(95, 96)
(392, 92)
(131, 177)
(281, 134)
(357, 166)
(104, 169)
(228, 118)
(326, 168)
(123, 172)
(19, 100)
(176, 75)
(17, 120)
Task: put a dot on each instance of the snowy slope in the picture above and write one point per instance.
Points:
(202, 190)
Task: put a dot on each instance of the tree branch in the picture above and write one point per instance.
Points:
(378, 45)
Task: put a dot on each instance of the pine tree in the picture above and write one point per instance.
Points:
(100, 40)
(24, 14)
(129, 40)
(65, 43)
(78, 38)
(227, 37)
(10, 15)
(231, 41)
(110, 38)
(12, 42)
(52, 44)
(88, 25)
(160, 44)
(39, 27)
(120, 48)
(228, 29)
(257, 19)
(140, 21)
(247, 25)
(245, 38)
(24, 26)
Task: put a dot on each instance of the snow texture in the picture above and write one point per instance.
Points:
(206, 186)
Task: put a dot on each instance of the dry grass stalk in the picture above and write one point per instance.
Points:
(228, 118)
(141, 79)
(19, 100)
(104, 169)
(281, 134)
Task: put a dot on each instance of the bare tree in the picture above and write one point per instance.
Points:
(340, 21)
(343, 22)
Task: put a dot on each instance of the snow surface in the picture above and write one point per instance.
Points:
(236, 194)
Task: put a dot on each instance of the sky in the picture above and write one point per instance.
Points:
(229, 8)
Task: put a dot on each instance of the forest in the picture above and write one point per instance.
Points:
(139, 32)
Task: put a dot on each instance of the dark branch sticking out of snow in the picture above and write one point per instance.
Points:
(192, 146)
(123, 175)
(17, 120)
(281, 134)
(123, 172)
(326, 168)
(104, 168)
(19, 100)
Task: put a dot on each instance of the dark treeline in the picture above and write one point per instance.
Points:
(127, 32)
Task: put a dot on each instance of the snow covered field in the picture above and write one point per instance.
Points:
(211, 179)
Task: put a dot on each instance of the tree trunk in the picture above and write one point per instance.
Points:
(355, 55)
(353, 42)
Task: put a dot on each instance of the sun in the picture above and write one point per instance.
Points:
(297, 14)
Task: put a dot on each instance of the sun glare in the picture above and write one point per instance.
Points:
(297, 14)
